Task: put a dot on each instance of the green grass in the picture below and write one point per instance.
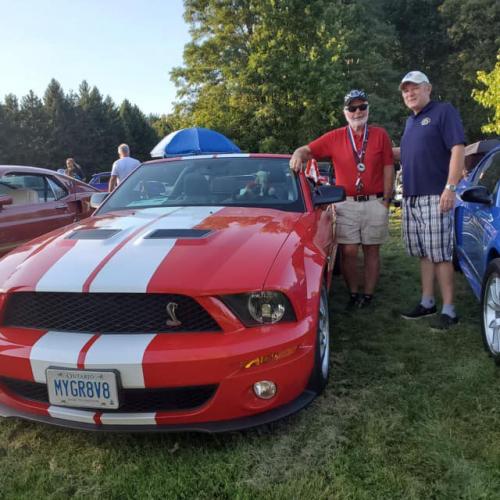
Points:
(408, 413)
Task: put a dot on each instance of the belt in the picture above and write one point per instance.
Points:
(365, 197)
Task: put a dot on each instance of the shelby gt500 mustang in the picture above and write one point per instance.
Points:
(195, 298)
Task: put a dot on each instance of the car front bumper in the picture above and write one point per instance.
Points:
(233, 362)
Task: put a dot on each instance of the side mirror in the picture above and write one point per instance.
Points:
(97, 199)
(477, 194)
(323, 195)
(5, 200)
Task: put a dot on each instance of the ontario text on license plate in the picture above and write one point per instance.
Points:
(82, 388)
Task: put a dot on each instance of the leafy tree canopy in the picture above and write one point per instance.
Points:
(84, 125)
(489, 97)
(271, 74)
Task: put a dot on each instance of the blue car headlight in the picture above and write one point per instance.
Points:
(258, 308)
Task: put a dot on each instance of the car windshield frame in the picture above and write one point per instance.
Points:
(222, 181)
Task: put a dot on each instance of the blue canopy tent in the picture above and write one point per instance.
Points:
(193, 141)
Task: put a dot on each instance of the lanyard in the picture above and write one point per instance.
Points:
(359, 156)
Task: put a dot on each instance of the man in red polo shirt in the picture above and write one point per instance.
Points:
(364, 166)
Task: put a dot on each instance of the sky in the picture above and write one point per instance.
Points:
(126, 48)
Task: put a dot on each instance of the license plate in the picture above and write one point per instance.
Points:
(83, 388)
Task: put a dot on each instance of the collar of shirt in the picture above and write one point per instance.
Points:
(426, 108)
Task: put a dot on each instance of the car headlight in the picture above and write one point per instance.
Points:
(257, 308)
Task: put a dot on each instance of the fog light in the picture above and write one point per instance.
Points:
(265, 389)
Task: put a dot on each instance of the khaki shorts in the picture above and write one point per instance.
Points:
(365, 222)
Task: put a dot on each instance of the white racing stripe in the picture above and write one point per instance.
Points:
(130, 269)
(59, 349)
(128, 419)
(87, 416)
(71, 414)
(122, 352)
(71, 271)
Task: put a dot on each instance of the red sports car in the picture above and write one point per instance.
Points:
(34, 201)
(195, 298)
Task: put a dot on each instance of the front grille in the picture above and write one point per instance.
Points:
(107, 312)
(132, 400)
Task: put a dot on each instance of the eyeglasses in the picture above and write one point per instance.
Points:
(361, 107)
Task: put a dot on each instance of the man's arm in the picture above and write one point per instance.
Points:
(299, 156)
(397, 154)
(457, 159)
(79, 170)
(388, 184)
(113, 181)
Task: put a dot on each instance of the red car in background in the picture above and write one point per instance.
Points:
(34, 201)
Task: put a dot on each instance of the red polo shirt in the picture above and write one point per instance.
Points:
(336, 146)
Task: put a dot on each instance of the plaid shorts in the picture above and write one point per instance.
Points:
(427, 232)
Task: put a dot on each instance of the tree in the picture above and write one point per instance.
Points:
(100, 129)
(34, 132)
(138, 133)
(62, 124)
(162, 125)
(271, 74)
(10, 133)
(472, 30)
(490, 96)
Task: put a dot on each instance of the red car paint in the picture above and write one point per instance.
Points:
(25, 217)
(245, 249)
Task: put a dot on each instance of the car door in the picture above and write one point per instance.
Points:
(39, 205)
(478, 219)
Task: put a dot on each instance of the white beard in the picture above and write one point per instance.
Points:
(357, 122)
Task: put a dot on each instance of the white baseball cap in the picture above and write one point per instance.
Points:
(414, 77)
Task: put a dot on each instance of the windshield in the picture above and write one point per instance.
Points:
(245, 182)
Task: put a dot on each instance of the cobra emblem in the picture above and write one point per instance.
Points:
(171, 308)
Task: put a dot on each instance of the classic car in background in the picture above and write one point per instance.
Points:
(34, 201)
(195, 298)
(100, 180)
(477, 242)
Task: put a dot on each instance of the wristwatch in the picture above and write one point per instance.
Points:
(451, 187)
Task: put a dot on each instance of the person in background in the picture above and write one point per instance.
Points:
(258, 187)
(122, 167)
(74, 170)
(364, 166)
(432, 155)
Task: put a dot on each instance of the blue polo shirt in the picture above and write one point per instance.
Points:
(426, 148)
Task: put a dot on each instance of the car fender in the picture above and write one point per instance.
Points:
(299, 269)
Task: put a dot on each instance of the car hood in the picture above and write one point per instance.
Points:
(192, 250)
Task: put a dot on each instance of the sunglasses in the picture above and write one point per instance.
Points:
(361, 107)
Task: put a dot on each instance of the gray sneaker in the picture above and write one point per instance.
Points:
(419, 312)
(443, 322)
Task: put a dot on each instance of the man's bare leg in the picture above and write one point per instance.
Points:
(371, 267)
(350, 266)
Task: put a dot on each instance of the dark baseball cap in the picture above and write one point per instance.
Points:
(354, 95)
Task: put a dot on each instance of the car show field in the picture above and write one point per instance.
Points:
(408, 414)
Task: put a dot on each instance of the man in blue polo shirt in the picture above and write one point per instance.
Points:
(432, 156)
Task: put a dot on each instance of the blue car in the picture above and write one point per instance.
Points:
(100, 181)
(477, 242)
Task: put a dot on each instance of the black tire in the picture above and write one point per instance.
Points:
(321, 369)
(455, 262)
(490, 310)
